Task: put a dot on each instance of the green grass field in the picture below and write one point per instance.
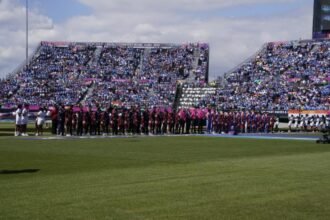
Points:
(164, 178)
(7, 129)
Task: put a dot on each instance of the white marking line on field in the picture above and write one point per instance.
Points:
(268, 137)
(260, 137)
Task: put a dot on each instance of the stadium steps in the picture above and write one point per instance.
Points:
(145, 56)
(315, 48)
(178, 95)
(94, 61)
(89, 93)
(197, 53)
(191, 78)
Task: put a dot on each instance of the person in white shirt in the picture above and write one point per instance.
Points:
(317, 123)
(322, 123)
(277, 124)
(306, 123)
(291, 119)
(296, 122)
(302, 123)
(25, 119)
(312, 123)
(327, 122)
(18, 120)
(40, 121)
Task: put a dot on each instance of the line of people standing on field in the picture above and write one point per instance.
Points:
(21, 119)
(67, 120)
(308, 122)
(22, 114)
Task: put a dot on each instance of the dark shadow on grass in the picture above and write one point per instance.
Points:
(8, 172)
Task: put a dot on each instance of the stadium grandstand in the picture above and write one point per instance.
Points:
(104, 73)
(280, 77)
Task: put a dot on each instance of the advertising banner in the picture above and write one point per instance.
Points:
(309, 112)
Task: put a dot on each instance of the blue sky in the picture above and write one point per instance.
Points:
(234, 29)
(59, 10)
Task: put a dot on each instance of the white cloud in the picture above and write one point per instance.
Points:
(232, 40)
(12, 33)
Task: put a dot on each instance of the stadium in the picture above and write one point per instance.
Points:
(109, 130)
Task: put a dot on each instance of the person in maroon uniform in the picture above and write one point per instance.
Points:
(114, 121)
(105, 120)
(68, 120)
(53, 112)
(142, 128)
(226, 122)
(182, 121)
(171, 121)
(102, 127)
(159, 121)
(238, 120)
(258, 123)
(215, 121)
(138, 125)
(80, 121)
(266, 123)
(131, 120)
(74, 121)
(146, 121)
(177, 122)
(221, 122)
(153, 120)
(193, 120)
(188, 121)
(121, 122)
(231, 122)
(135, 127)
(98, 114)
(272, 126)
(165, 122)
(126, 114)
(92, 130)
(201, 120)
(86, 121)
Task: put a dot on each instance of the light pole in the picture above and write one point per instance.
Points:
(27, 35)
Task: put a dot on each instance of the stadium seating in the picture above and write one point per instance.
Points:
(100, 73)
(284, 75)
(281, 76)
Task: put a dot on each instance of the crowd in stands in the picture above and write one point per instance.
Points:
(93, 74)
(9, 86)
(54, 75)
(131, 76)
(283, 76)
